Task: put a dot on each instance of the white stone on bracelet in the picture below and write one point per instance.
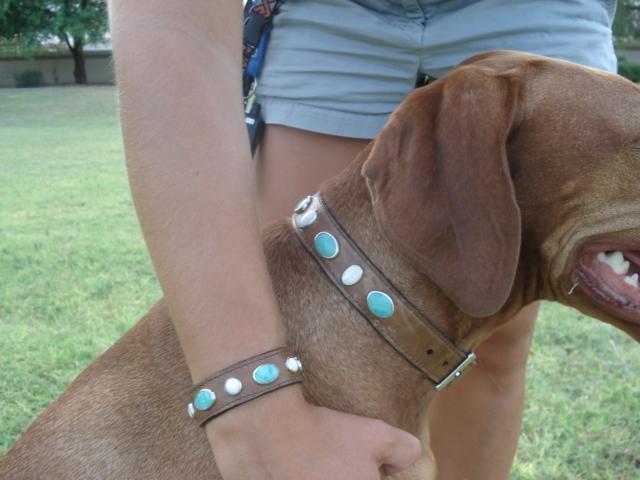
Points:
(232, 386)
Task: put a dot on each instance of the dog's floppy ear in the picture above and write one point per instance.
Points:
(441, 187)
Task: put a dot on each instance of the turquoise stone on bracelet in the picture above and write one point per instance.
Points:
(380, 304)
(326, 245)
(266, 373)
(204, 399)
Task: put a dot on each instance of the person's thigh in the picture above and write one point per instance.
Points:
(475, 424)
(293, 163)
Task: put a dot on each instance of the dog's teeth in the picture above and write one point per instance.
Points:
(632, 280)
(616, 261)
(624, 268)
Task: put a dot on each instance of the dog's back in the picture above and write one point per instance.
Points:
(118, 417)
(125, 416)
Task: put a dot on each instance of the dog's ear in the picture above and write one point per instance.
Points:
(441, 187)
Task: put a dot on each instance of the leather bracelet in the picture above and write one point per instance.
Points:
(244, 381)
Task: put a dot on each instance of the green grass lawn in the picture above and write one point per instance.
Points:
(74, 275)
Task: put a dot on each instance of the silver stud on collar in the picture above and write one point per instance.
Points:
(303, 204)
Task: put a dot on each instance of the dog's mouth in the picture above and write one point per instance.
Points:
(609, 273)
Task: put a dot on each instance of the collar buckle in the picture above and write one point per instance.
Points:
(455, 374)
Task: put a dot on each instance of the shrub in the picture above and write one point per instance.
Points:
(29, 78)
(628, 69)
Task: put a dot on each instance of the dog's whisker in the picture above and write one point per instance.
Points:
(573, 288)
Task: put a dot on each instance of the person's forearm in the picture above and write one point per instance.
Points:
(179, 77)
(178, 72)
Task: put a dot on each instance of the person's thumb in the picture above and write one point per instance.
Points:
(396, 449)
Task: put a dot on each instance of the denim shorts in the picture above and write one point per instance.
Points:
(340, 67)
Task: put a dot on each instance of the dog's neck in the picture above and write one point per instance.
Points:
(387, 387)
(348, 198)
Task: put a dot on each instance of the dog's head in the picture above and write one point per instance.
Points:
(517, 170)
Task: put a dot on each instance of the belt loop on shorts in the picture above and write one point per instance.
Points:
(414, 9)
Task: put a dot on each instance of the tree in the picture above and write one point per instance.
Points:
(626, 25)
(74, 22)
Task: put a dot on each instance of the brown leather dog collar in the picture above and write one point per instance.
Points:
(399, 322)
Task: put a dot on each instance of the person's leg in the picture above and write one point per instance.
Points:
(293, 163)
(475, 424)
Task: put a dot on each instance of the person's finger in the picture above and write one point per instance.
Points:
(396, 449)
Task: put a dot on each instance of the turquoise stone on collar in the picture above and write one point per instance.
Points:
(380, 304)
(204, 399)
(326, 245)
(266, 373)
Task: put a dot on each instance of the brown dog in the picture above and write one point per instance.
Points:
(502, 183)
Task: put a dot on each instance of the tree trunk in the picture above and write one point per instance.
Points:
(79, 70)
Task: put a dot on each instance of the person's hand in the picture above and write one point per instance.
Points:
(281, 437)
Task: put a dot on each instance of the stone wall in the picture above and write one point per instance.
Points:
(58, 69)
(631, 54)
